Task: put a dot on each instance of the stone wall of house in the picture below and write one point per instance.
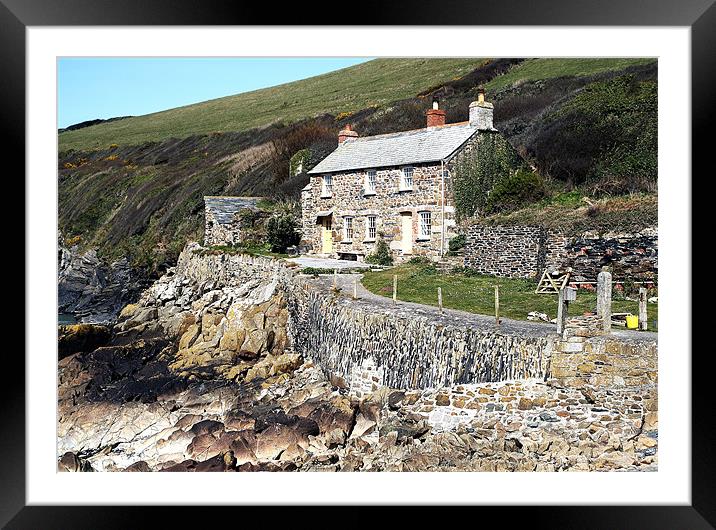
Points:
(216, 233)
(224, 223)
(388, 204)
(525, 251)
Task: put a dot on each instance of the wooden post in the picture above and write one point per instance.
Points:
(562, 306)
(604, 299)
(395, 288)
(355, 288)
(440, 299)
(497, 305)
(335, 279)
(643, 325)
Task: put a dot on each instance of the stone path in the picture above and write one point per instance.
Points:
(452, 317)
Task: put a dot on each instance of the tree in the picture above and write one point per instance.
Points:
(281, 232)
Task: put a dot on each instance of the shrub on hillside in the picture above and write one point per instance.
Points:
(381, 255)
(282, 232)
(456, 243)
(521, 188)
(605, 136)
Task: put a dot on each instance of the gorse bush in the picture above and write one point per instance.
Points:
(520, 188)
(282, 232)
(381, 255)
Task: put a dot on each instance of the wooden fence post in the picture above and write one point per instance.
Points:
(355, 288)
(440, 299)
(395, 288)
(497, 305)
(643, 324)
(335, 279)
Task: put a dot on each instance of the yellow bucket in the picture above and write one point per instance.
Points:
(632, 321)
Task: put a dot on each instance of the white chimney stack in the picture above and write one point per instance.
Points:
(481, 112)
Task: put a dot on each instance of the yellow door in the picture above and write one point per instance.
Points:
(327, 236)
(406, 233)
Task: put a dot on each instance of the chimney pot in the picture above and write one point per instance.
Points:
(435, 116)
(481, 112)
(346, 134)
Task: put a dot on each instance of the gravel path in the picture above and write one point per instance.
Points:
(449, 317)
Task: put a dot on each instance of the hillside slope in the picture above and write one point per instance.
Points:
(143, 199)
(375, 82)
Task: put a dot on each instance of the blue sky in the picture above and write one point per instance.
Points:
(90, 88)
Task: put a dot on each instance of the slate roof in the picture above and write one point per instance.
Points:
(224, 208)
(396, 149)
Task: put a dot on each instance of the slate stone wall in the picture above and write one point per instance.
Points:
(367, 347)
(509, 251)
(525, 251)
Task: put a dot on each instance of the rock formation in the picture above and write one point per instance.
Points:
(200, 375)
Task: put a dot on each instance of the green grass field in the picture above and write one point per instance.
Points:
(476, 294)
(376, 82)
(537, 69)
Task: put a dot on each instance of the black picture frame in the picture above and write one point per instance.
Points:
(699, 15)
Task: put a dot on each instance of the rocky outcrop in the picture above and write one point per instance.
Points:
(201, 375)
(83, 338)
(94, 291)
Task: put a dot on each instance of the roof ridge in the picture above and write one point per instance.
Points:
(397, 133)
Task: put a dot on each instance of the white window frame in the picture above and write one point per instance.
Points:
(369, 228)
(404, 185)
(425, 228)
(327, 186)
(369, 189)
(348, 228)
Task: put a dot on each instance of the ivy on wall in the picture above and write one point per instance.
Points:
(477, 170)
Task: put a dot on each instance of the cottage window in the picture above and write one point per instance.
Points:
(370, 227)
(369, 182)
(327, 187)
(348, 229)
(425, 225)
(406, 181)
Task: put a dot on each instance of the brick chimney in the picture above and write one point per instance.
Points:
(346, 135)
(481, 112)
(436, 116)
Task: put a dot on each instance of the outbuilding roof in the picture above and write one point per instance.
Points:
(410, 147)
(224, 208)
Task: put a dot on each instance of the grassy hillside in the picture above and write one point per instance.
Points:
(541, 69)
(375, 82)
(134, 187)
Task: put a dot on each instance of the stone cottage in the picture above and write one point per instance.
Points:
(397, 186)
(222, 218)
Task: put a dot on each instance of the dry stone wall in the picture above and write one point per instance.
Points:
(369, 348)
(525, 251)
(511, 251)
(413, 353)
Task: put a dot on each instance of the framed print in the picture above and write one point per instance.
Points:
(428, 245)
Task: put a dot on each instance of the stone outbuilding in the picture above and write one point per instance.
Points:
(222, 218)
(396, 186)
